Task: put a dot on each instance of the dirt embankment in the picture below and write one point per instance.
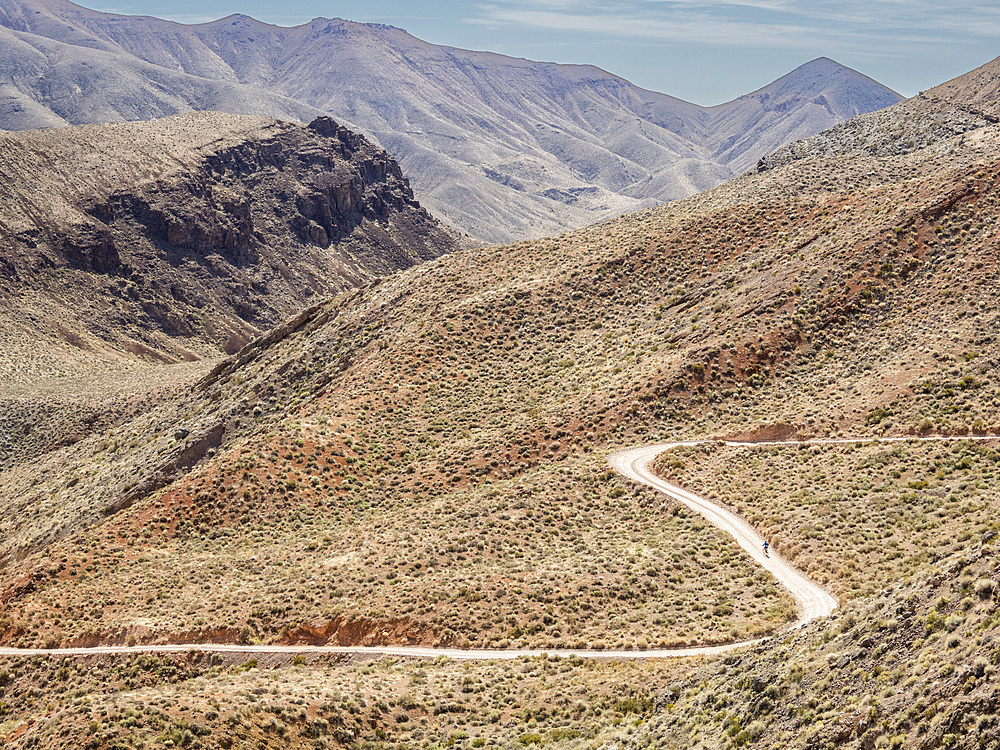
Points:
(340, 631)
(767, 433)
(343, 631)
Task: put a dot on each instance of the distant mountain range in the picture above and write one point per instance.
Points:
(502, 148)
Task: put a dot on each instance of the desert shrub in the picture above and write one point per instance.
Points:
(985, 587)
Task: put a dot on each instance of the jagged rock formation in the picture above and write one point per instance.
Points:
(170, 240)
(503, 148)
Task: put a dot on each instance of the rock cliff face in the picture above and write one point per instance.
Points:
(342, 181)
(176, 238)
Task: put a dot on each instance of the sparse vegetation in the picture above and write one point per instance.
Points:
(422, 460)
(859, 517)
(212, 701)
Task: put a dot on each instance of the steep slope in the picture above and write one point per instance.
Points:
(181, 236)
(914, 667)
(810, 99)
(958, 106)
(387, 434)
(503, 148)
(127, 247)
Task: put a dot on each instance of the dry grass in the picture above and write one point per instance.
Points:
(230, 703)
(562, 556)
(455, 416)
(914, 668)
(400, 423)
(860, 517)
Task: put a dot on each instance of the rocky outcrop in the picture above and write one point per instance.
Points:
(89, 247)
(187, 217)
(340, 181)
(200, 231)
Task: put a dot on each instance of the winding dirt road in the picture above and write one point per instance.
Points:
(813, 601)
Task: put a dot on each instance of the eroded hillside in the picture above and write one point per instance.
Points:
(422, 460)
(130, 247)
(170, 239)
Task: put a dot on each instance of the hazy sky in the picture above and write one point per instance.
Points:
(705, 51)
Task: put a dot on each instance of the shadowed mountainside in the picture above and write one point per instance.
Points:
(171, 239)
(127, 247)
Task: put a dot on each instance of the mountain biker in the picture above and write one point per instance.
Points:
(767, 546)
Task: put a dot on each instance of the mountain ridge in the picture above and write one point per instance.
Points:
(504, 148)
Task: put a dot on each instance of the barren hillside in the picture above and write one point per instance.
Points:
(423, 460)
(503, 148)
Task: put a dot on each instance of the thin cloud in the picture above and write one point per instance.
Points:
(851, 25)
(702, 29)
(883, 16)
(770, 5)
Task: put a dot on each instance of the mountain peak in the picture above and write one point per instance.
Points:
(821, 93)
(825, 67)
(324, 21)
(826, 77)
(826, 62)
(819, 64)
(237, 19)
(979, 88)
